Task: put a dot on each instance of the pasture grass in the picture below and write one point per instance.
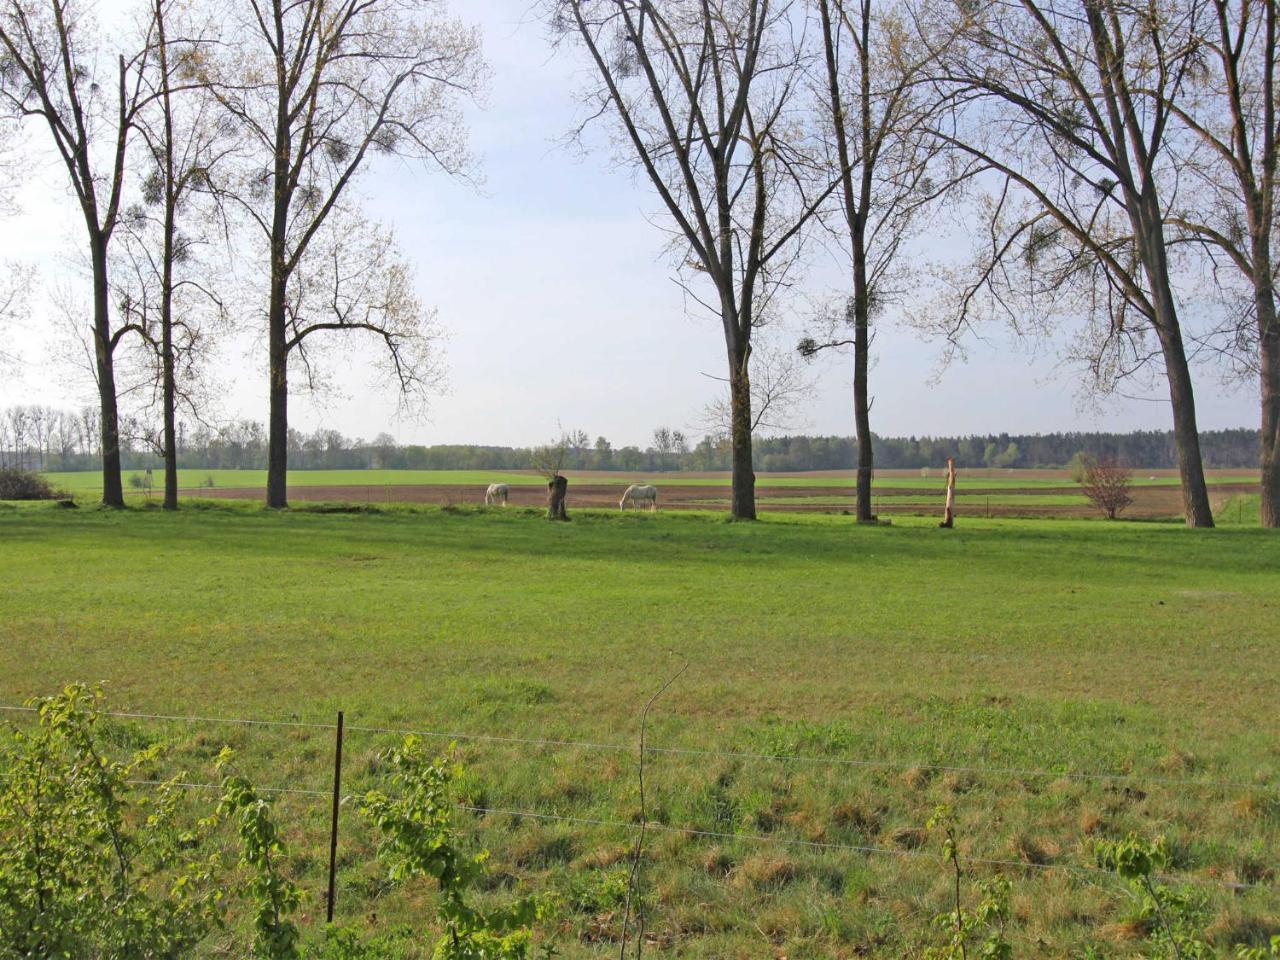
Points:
(1241, 510)
(1035, 650)
(88, 483)
(972, 500)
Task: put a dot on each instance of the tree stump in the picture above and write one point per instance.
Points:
(948, 513)
(557, 490)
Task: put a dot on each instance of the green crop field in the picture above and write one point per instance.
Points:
(89, 483)
(996, 668)
(920, 500)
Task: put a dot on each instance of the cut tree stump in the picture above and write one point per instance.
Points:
(949, 511)
(557, 491)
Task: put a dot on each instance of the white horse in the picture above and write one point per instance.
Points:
(637, 492)
(497, 493)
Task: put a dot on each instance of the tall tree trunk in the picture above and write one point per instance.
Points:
(278, 377)
(277, 334)
(112, 488)
(1186, 437)
(744, 477)
(1148, 223)
(169, 386)
(861, 397)
(1269, 336)
(170, 404)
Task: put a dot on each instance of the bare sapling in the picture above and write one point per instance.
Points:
(1106, 484)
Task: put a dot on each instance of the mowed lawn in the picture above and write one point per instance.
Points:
(1023, 652)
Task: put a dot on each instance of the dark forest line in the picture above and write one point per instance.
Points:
(49, 439)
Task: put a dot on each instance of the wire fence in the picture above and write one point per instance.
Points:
(870, 763)
(869, 850)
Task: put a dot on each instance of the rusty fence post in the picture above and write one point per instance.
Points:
(333, 825)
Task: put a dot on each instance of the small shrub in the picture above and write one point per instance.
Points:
(1078, 466)
(981, 927)
(418, 841)
(90, 866)
(1174, 919)
(593, 892)
(263, 851)
(25, 485)
(1106, 484)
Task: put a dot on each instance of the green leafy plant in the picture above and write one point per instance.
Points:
(418, 841)
(344, 943)
(1260, 953)
(980, 929)
(1175, 918)
(263, 851)
(93, 864)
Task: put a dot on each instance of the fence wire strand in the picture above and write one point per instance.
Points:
(868, 850)
(857, 848)
(887, 764)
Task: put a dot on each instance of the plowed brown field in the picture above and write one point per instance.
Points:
(1150, 502)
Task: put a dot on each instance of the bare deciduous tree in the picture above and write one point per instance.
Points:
(168, 289)
(318, 88)
(878, 112)
(1106, 484)
(1067, 101)
(1230, 156)
(55, 71)
(706, 97)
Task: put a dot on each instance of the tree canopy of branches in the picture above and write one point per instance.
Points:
(1066, 102)
(779, 386)
(319, 88)
(13, 308)
(706, 98)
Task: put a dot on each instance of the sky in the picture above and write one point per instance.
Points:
(554, 291)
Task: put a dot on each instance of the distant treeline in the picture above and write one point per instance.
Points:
(43, 438)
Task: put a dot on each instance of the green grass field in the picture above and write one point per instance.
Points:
(920, 500)
(89, 483)
(1039, 650)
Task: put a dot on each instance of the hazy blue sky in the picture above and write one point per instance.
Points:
(555, 294)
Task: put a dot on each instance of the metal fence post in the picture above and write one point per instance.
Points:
(333, 826)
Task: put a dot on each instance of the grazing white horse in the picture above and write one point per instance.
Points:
(497, 493)
(637, 492)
